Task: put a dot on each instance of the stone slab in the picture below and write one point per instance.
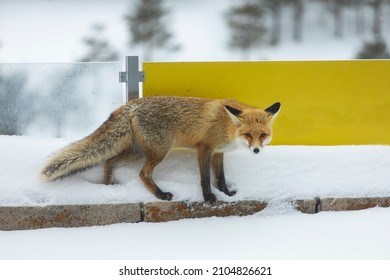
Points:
(22, 218)
(307, 206)
(347, 204)
(171, 211)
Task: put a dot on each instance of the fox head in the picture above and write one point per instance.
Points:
(254, 125)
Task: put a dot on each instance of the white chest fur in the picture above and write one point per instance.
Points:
(238, 143)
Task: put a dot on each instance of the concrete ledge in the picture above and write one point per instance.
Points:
(307, 206)
(347, 204)
(21, 218)
(171, 211)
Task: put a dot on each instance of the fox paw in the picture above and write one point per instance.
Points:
(226, 191)
(165, 196)
(230, 193)
(211, 198)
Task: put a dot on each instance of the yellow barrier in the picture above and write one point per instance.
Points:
(323, 102)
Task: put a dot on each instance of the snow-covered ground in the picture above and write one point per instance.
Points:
(278, 173)
(278, 232)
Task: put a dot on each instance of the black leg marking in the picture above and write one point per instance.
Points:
(217, 164)
(204, 159)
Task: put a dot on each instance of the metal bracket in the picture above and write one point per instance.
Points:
(132, 77)
(141, 76)
(123, 77)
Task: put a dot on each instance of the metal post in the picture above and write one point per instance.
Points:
(132, 77)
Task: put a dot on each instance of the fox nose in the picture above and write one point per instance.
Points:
(256, 150)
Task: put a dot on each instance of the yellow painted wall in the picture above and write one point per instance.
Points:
(323, 102)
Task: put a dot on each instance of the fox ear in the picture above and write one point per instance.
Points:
(234, 111)
(233, 114)
(273, 109)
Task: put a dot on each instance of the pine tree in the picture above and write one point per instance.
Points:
(298, 12)
(99, 48)
(275, 9)
(147, 26)
(247, 29)
(377, 7)
(359, 16)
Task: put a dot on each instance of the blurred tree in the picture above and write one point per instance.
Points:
(275, 7)
(298, 11)
(247, 28)
(337, 8)
(99, 48)
(147, 26)
(17, 108)
(64, 105)
(359, 18)
(377, 7)
(376, 49)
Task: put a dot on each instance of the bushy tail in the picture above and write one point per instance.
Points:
(110, 139)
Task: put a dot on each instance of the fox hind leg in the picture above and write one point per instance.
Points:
(152, 159)
(111, 164)
(217, 166)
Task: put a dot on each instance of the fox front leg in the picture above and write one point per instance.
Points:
(217, 165)
(204, 159)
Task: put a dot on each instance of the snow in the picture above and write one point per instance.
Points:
(267, 235)
(279, 173)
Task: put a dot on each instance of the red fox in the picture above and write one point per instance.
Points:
(149, 127)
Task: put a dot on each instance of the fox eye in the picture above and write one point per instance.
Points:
(263, 135)
(248, 135)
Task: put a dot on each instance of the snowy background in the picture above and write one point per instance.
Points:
(53, 30)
